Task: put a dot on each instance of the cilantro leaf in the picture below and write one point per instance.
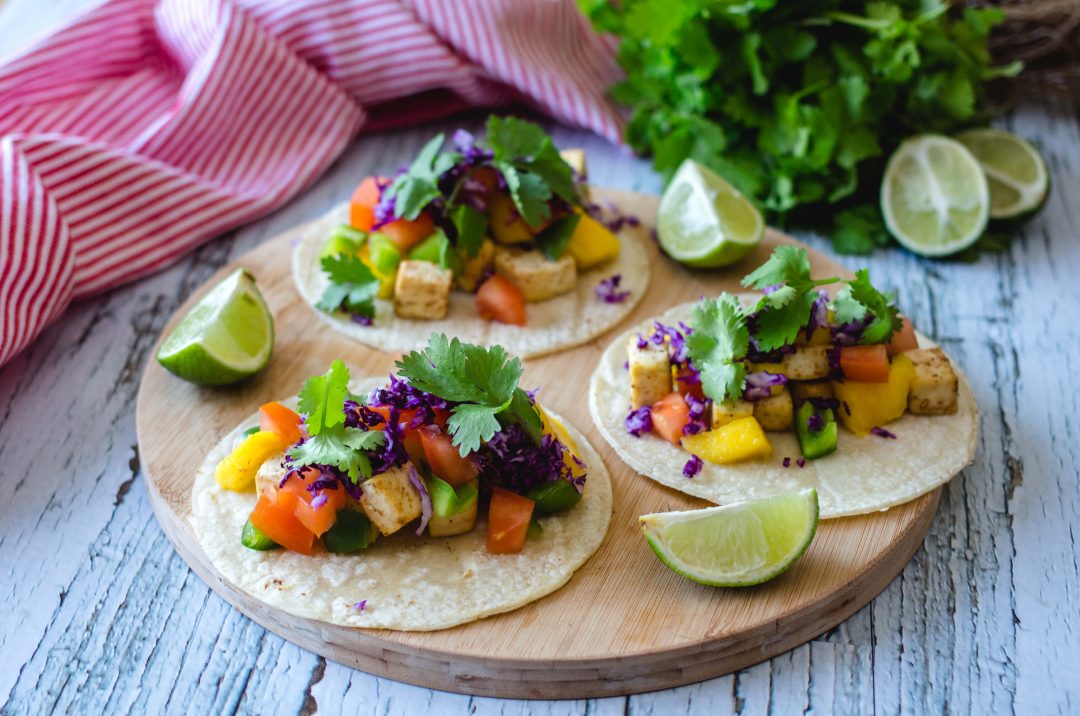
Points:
(786, 264)
(717, 346)
(529, 192)
(553, 240)
(523, 412)
(776, 327)
(353, 286)
(471, 225)
(419, 186)
(785, 308)
(531, 165)
(322, 399)
(859, 299)
(472, 424)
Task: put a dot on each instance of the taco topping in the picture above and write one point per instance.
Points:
(507, 218)
(449, 438)
(793, 361)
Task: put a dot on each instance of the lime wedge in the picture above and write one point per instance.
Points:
(705, 222)
(1015, 171)
(735, 545)
(227, 336)
(934, 196)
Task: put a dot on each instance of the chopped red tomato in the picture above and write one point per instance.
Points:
(363, 203)
(317, 512)
(687, 383)
(280, 524)
(407, 234)
(413, 445)
(670, 415)
(278, 419)
(508, 521)
(865, 364)
(404, 416)
(904, 339)
(499, 300)
(444, 458)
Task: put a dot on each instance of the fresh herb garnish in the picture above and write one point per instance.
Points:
(553, 240)
(330, 442)
(789, 296)
(352, 288)
(718, 345)
(859, 299)
(471, 225)
(419, 186)
(483, 381)
(529, 162)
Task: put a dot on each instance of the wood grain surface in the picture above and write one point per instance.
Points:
(624, 623)
(102, 616)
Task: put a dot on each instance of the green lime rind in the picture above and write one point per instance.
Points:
(789, 542)
(705, 222)
(1016, 172)
(225, 337)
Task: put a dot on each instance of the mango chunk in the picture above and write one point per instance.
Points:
(592, 243)
(386, 280)
(506, 225)
(555, 428)
(739, 440)
(237, 471)
(864, 406)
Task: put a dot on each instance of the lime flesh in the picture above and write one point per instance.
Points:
(736, 545)
(934, 196)
(704, 221)
(227, 336)
(1015, 171)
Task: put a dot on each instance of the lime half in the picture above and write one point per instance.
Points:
(705, 222)
(934, 196)
(1015, 171)
(227, 336)
(735, 545)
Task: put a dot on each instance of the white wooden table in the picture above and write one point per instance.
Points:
(100, 615)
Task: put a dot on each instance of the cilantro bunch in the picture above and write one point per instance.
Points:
(798, 103)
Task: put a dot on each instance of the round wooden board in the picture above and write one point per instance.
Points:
(625, 623)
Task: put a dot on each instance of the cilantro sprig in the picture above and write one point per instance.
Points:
(529, 162)
(330, 441)
(717, 346)
(859, 299)
(482, 381)
(419, 186)
(790, 295)
(352, 288)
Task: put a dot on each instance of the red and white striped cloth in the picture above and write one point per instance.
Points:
(146, 127)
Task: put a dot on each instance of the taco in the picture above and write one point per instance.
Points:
(494, 243)
(745, 397)
(440, 497)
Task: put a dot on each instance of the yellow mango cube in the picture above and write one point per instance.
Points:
(237, 471)
(739, 440)
(864, 406)
(592, 243)
(386, 281)
(506, 224)
(555, 428)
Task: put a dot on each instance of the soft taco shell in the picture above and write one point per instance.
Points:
(553, 325)
(410, 584)
(864, 474)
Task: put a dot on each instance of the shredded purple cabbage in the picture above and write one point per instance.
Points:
(787, 462)
(361, 605)
(819, 313)
(641, 342)
(696, 423)
(639, 422)
(611, 216)
(883, 433)
(319, 500)
(692, 467)
(425, 499)
(815, 423)
(848, 334)
(677, 341)
(360, 319)
(384, 209)
(801, 462)
(759, 384)
(512, 460)
(608, 290)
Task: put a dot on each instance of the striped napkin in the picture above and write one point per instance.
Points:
(144, 127)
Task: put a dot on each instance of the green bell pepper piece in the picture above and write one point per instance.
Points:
(815, 444)
(343, 240)
(254, 538)
(385, 255)
(445, 500)
(554, 496)
(351, 532)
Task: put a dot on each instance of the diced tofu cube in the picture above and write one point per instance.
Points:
(807, 363)
(422, 290)
(802, 390)
(269, 474)
(575, 158)
(935, 387)
(731, 410)
(536, 276)
(650, 372)
(775, 412)
(472, 268)
(390, 501)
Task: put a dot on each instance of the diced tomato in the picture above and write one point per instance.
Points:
(404, 416)
(413, 445)
(508, 521)
(316, 517)
(280, 524)
(687, 383)
(363, 203)
(278, 419)
(865, 364)
(904, 339)
(487, 176)
(407, 234)
(670, 415)
(499, 300)
(444, 458)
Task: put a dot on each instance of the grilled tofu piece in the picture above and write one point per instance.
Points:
(802, 390)
(775, 412)
(422, 290)
(807, 363)
(472, 268)
(730, 411)
(536, 276)
(390, 501)
(650, 372)
(935, 389)
(269, 474)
